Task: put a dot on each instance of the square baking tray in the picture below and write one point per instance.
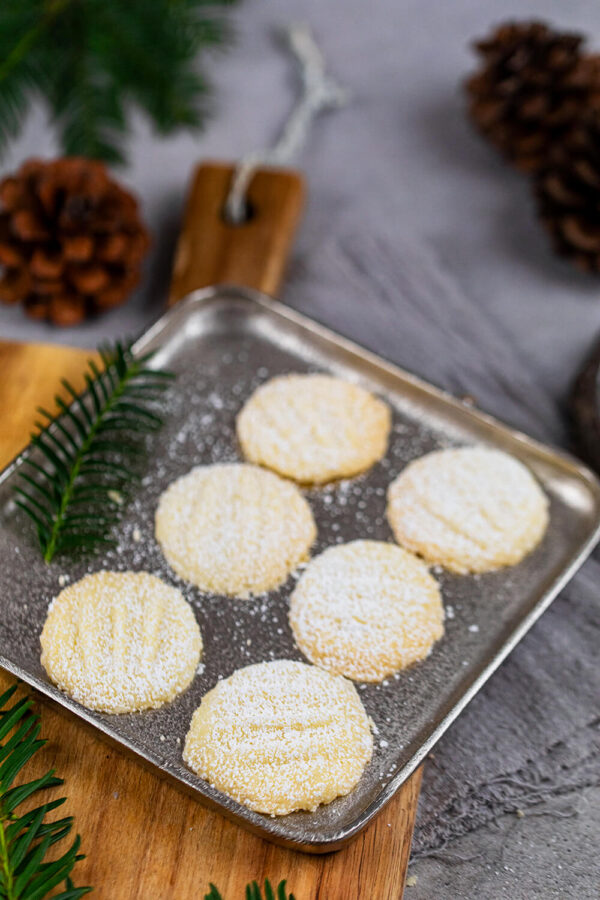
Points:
(222, 343)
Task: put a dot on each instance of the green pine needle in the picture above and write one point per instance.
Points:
(75, 489)
(253, 892)
(91, 60)
(26, 837)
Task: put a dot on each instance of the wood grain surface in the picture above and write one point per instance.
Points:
(210, 251)
(143, 839)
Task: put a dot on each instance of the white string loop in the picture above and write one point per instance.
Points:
(319, 93)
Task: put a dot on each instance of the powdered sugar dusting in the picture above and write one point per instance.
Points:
(224, 349)
(120, 641)
(234, 528)
(471, 509)
(280, 736)
(313, 428)
(366, 609)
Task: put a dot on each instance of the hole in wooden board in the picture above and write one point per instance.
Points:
(248, 213)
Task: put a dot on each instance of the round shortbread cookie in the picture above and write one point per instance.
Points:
(121, 641)
(280, 736)
(313, 428)
(234, 528)
(471, 510)
(366, 609)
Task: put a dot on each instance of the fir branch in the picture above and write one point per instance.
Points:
(253, 892)
(91, 60)
(89, 452)
(26, 837)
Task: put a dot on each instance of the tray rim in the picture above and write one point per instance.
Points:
(553, 456)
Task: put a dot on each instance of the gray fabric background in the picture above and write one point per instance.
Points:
(419, 243)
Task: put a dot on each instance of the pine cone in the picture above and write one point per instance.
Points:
(71, 240)
(534, 84)
(568, 194)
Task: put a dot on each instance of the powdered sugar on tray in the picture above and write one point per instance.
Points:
(218, 368)
(200, 430)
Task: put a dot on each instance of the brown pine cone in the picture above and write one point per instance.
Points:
(71, 239)
(533, 85)
(568, 194)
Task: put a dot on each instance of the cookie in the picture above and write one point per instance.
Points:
(234, 529)
(121, 641)
(470, 510)
(313, 428)
(280, 736)
(366, 610)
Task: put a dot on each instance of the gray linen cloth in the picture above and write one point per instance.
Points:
(534, 730)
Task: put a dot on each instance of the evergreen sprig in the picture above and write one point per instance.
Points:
(90, 60)
(88, 452)
(253, 892)
(26, 837)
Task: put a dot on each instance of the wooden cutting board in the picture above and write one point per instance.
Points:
(143, 839)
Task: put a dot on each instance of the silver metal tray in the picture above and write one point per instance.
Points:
(223, 342)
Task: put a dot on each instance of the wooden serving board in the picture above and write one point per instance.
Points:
(143, 839)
